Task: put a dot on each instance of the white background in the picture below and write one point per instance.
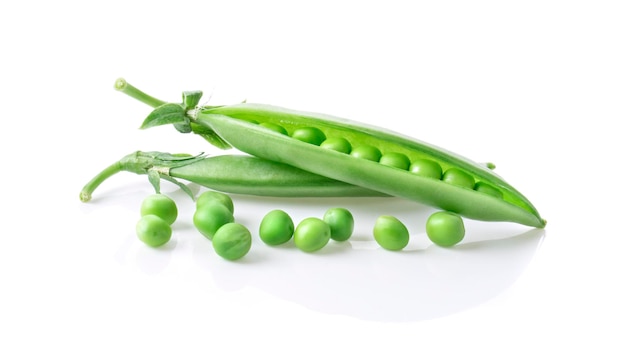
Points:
(537, 87)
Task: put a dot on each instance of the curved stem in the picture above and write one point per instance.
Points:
(85, 194)
(128, 89)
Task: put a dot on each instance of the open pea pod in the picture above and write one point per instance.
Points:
(364, 155)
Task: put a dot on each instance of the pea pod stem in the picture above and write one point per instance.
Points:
(130, 90)
(240, 174)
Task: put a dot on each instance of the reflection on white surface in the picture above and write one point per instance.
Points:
(355, 278)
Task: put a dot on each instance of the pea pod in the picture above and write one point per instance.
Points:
(242, 126)
(242, 174)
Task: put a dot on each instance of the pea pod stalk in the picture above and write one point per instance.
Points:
(273, 133)
(240, 174)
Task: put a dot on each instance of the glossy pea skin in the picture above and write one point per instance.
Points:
(341, 223)
(426, 168)
(459, 178)
(366, 152)
(232, 241)
(276, 228)
(338, 144)
(213, 196)
(390, 233)
(210, 217)
(161, 206)
(274, 127)
(311, 235)
(445, 228)
(309, 135)
(397, 160)
(488, 189)
(153, 230)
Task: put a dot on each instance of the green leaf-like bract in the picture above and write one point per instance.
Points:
(165, 114)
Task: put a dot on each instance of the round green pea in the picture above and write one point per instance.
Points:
(339, 144)
(397, 160)
(153, 230)
(274, 127)
(213, 196)
(161, 206)
(426, 168)
(311, 235)
(232, 241)
(445, 228)
(341, 223)
(390, 233)
(276, 228)
(309, 135)
(488, 189)
(459, 178)
(210, 217)
(367, 152)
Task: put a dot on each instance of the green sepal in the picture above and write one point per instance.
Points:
(155, 179)
(181, 185)
(210, 136)
(191, 99)
(165, 114)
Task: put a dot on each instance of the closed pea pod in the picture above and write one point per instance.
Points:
(229, 125)
(241, 174)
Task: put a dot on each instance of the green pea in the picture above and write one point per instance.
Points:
(397, 160)
(311, 234)
(153, 230)
(445, 228)
(367, 152)
(161, 206)
(210, 217)
(232, 241)
(459, 178)
(390, 233)
(426, 168)
(339, 144)
(274, 127)
(213, 196)
(488, 189)
(276, 228)
(309, 135)
(341, 223)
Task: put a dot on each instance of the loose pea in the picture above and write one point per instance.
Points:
(274, 127)
(341, 223)
(397, 160)
(210, 217)
(445, 228)
(232, 241)
(458, 177)
(309, 135)
(488, 189)
(366, 152)
(153, 230)
(390, 233)
(426, 168)
(276, 228)
(311, 234)
(339, 144)
(213, 196)
(161, 206)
